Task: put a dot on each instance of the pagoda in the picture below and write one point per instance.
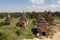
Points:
(8, 19)
(23, 21)
(42, 26)
(50, 19)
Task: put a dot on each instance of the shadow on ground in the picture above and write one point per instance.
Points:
(1, 24)
(34, 30)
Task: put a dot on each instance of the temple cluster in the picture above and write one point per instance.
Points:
(41, 23)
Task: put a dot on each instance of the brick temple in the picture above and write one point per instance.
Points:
(42, 26)
(50, 19)
(23, 21)
(8, 19)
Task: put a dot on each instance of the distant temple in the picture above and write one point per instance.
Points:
(50, 19)
(42, 26)
(23, 21)
(8, 19)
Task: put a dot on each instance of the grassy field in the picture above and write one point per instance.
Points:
(12, 32)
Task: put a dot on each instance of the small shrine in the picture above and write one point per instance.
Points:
(50, 19)
(42, 26)
(8, 19)
(23, 21)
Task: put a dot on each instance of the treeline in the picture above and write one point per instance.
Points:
(30, 15)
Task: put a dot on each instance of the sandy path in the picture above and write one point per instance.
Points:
(56, 36)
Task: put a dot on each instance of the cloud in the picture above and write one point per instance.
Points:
(58, 2)
(31, 7)
(42, 8)
(37, 1)
(55, 6)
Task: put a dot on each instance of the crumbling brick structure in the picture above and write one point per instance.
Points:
(42, 26)
(23, 21)
(50, 19)
(8, 19)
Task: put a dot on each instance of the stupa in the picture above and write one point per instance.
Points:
(8, 19)
(42, 26)
(50, 18)
(23, 21)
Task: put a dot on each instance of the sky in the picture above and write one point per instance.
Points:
(29, 5)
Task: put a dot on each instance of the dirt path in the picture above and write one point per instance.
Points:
(56, 36)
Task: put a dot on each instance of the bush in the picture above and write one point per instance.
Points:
(18, 32)
(52, 31)
(4, 35)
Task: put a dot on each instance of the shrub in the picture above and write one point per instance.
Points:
(4, 35)
(18, 32)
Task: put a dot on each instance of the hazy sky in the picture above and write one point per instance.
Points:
(29, 5)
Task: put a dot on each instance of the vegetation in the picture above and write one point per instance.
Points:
(12, 32)
(31, 15)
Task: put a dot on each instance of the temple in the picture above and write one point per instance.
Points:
(23, 21)
(50, 19)
(42, 26)
(8, 19)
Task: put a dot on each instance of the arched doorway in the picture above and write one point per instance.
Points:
(43, 33)
(20, 25)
